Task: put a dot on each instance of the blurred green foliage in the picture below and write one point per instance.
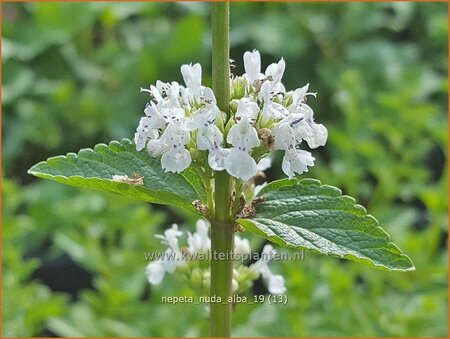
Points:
(71, 78)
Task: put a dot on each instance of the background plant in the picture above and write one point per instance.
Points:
(382, 93)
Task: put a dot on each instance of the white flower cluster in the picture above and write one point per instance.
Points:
(263, 117)
(199, 242)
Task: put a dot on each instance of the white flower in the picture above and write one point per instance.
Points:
(209, 137)
(275, 72)
(207, 97)
(173, 91)
(177, 158)
(180, 119)
(284, 137)
(314, 134)
(247, 108)
(168, 262)
(143, 133)
(241, 246)
(299, 95)
(155, 272)
(156, 147)
(217, 156)
(275, 282)
(302, 122)
(170, 237)
(296, 161)
(148, 126)
(252, 66)
(154, 92)
(155, 119)
(240, 164)
(289, 132)
(208, 133)
(243, 136)
(199, 242)
(170, 259)
(271, 109)
(192, 76)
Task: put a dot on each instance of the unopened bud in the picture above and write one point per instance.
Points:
(266, 137)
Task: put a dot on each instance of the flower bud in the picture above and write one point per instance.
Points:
(196, 278)
(238, 86)
(266, 137)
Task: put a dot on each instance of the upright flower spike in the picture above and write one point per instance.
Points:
(180, 119)
(174, 259)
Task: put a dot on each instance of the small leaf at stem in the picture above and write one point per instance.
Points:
(304, 214)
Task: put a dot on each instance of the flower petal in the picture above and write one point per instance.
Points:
(275, 284)
(155, 272)
(296, 161)
(252, 65)
(216, 158)
(243, 135)
(240, 164)
(176, 160)
(192, 76)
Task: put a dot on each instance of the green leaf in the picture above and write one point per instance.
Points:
(191, 175)
(304, 214)
(94, 169)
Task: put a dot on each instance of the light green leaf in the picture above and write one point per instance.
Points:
(94, 169)
(304, 214)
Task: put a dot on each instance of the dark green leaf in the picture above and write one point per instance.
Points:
(304, 214)
(95, 168)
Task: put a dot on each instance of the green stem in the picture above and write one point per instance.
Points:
(222, 243)
(237, 197)
(210, 197)
(222, 232)
(221, 54)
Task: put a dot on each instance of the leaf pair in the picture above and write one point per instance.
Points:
(300, 214)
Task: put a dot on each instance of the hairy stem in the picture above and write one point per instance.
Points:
(222, 232)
